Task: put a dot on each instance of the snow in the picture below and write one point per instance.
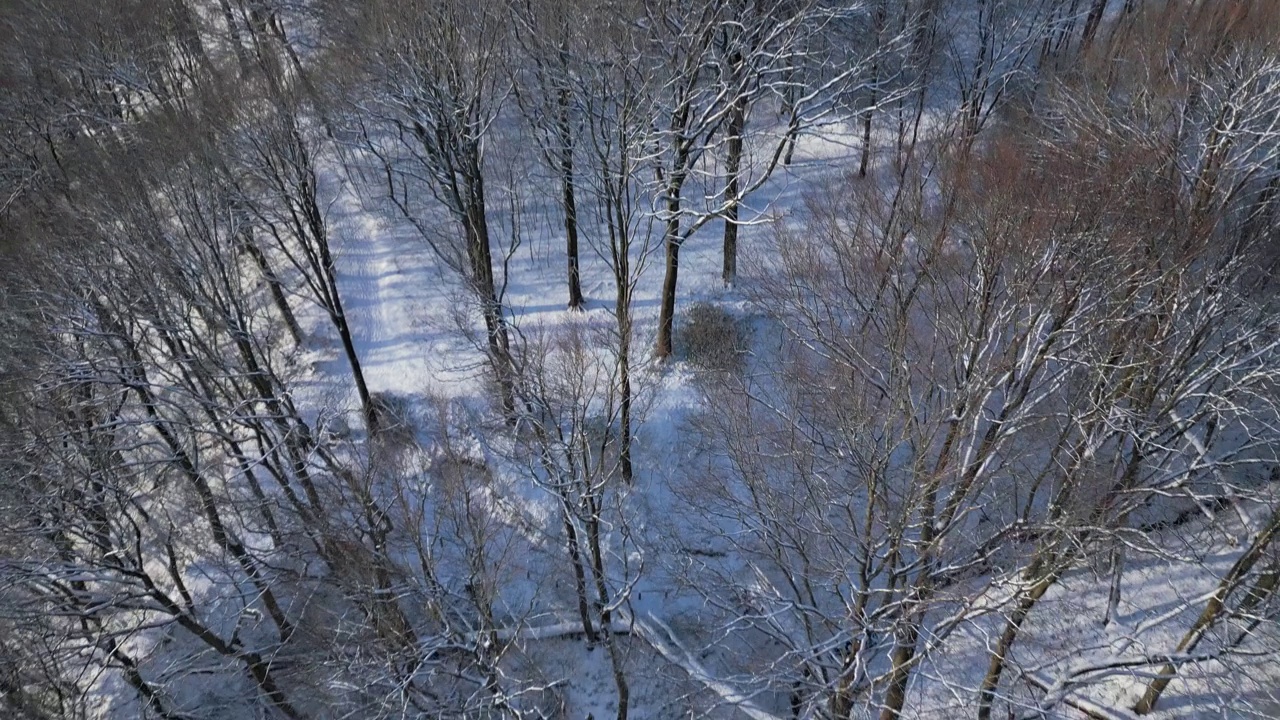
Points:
(415, 332)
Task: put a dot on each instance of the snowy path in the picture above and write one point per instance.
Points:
(396, 302)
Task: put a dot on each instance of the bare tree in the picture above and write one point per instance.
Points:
(949, 401)
(766, 49)
(553, 50)
(282, 190)
(437, 82)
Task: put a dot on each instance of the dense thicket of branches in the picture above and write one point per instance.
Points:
(1018, 356)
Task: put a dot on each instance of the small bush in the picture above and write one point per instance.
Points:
(396, 421)
(711, 339)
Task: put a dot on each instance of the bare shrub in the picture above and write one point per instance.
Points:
(397, 426)
(712, 339)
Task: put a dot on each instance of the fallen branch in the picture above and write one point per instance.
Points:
(659, 635)
(1093, 710)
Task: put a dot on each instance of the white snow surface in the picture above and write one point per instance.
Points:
(408, 312)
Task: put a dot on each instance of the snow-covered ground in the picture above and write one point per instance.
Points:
(411, 318)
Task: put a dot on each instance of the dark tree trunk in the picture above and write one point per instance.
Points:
(866, 140)
(880, 19)
(237, 43)
(672, 240)
(620, 247)
(476, 227)
(1091, 22)
(579, 576)
(274, 284)
(623, 310)
(337, 314)
(667, 310)
(603, 600)
(624, 370)
(1117, 575)
(999, 656)
(733, 166)
(569, 200)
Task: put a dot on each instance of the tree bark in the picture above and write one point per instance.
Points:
(339, 317)
(674, 185)
(476, 228)
(233, 28)
(1117, 575)
(880, 19)
(569, 200)
(991, 681)
(667, 310)
(904, 653)
(733, 166)
(1213, 610)
(603, 600)
(274, 285)
(1091, 22)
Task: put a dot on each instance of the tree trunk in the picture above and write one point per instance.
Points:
(674, 186)
(339, 318)
(624, 371)
(623, 309)
(733, 166)
(667, 311)
(1091, 22)
(274, 284)
(1117, 574)
(603, 600)
(579, 575)
(151, 699)
(904, 653)
(973, 97)
(569, 201)
(620, 249)
(842, 701)
(233, 28)
(866, 140)
(357, 372)
(991, 682)
(789, 109)
(318, 231)
(476, 227)
(880, 19)
(1258, 594)
(1213, 610)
